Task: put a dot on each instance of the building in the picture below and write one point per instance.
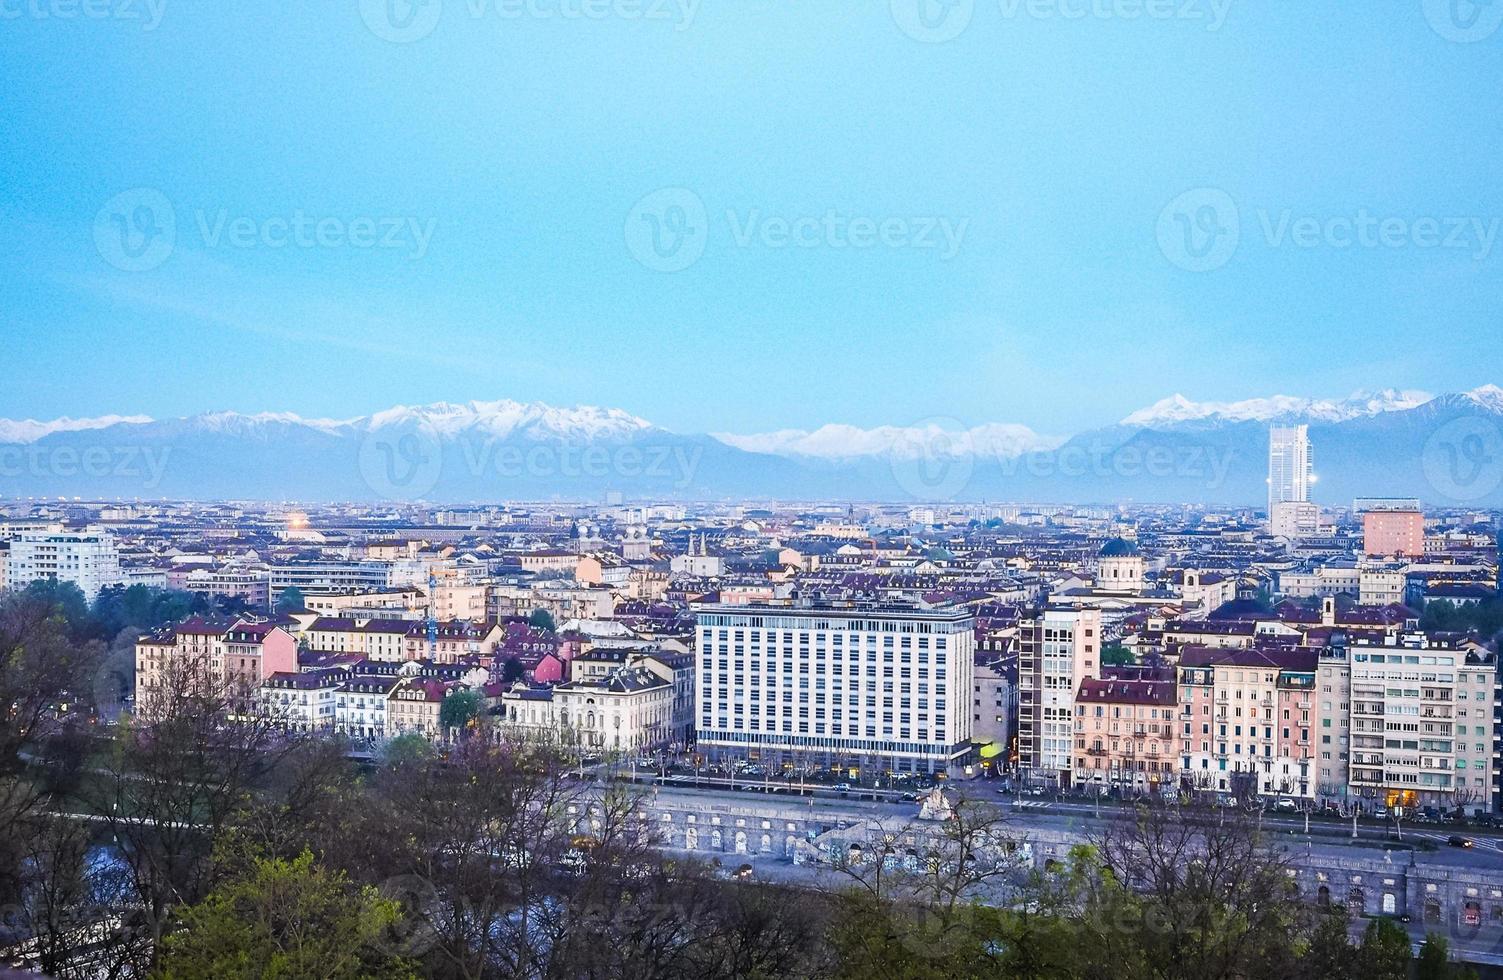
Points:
(414, 705)
(1382, 586)
(993, 697)
(1393, 533)
(1120, 568)
(1409, 723)
(1125, 731)
(328, 576)
(87, 559)
(360, 705)
(301, 702)
(1294, 519)
(219, 658)
(1246, 717)
(1289, 465)
(871, 687)
(1057, 650)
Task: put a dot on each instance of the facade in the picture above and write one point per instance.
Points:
(1382, 586)
(87, 559)
(413, 707)
(1246, 721)
(328, 576)
(1393, 533)
(360, 705)
(1410, 723)
(1057, 650)
(874, 687)
(1289, 465)
(221, 656)
(1294, 519)
(1125, 731)
(301, 702)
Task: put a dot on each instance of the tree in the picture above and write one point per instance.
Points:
(406, 749)
(1116, 655)
(1384, 953)
(460, 707)
(542, 619)
(290, 601)
(512, 670)
(1329, 955)
(1432, 963)
(286, 919)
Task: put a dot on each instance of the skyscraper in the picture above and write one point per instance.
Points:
(1289, 465)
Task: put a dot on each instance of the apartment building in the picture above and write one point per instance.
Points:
(1125, 730)
(87, 559)
(871, 687)
(1410, 723)
(215, 656)
(1246, 721)
(1057, 650)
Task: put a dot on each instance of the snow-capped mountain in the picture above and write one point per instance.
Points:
(837, 442)
(505, 418)
(1177, 409)
(23, 431)
(1446, 449)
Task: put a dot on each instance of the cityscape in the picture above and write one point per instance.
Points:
(663, 490)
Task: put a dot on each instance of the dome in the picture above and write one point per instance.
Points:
(1119, 548)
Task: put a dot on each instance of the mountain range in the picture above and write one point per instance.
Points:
(1445, 449)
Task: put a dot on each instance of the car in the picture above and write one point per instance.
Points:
(1456, 840)
(744, 872)
(1381, 813)
(842, 787)
(1286, 805)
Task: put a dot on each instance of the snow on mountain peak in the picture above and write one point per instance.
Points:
(13, 431)
(1177, 408)
(505, 417)
(834, 441)
(1489, 397)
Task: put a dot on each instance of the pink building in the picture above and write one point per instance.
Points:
(1124, 730)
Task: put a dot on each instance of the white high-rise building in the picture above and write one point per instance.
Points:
(86, 558)
(1056, 651)
(1289, 465)
(868, 686)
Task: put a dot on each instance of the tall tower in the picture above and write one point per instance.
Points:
(1289, 465)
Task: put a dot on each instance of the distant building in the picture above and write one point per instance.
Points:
(1393, 533)
(87, 559)
(1294, 519)
(1289, 465)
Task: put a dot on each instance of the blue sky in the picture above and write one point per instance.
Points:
(862, 219)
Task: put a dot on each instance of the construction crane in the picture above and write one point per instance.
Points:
(432, 618)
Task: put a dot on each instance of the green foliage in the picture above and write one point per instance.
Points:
(460, 708)
(407, 749)
(1486, 616)
(1384, 953)
(542, 619)
(290, 601)
(285, 919)
(1117, 655)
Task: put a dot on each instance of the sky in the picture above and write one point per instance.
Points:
(748, 215)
